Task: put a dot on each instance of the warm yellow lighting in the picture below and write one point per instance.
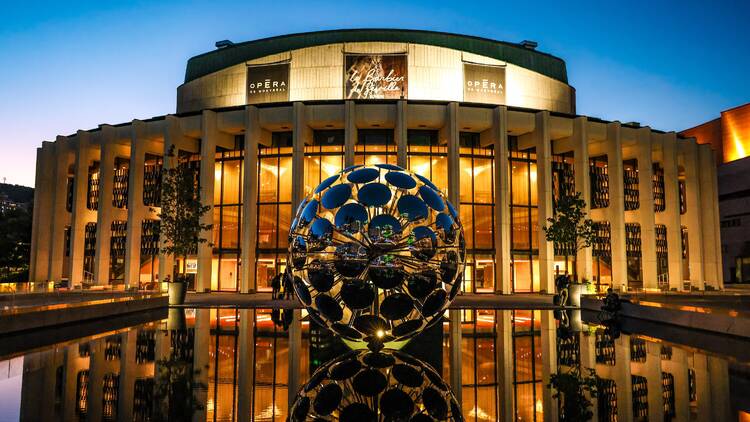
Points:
(380, 333)
(539, 406)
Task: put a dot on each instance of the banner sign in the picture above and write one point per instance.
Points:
(268, 83)
(378, 76)
(484, 84)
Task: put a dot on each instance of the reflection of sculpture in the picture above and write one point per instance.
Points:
(366, 386)
(376, 253)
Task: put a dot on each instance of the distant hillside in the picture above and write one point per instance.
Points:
(17, 193)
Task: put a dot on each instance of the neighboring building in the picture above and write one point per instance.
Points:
(729, 136)
(492, 123)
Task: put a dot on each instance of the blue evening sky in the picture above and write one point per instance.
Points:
(73, 65)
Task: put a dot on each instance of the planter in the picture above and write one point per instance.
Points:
(177, 293)
(176, 319)
(575, 290)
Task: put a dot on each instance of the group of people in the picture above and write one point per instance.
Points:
(282, 317)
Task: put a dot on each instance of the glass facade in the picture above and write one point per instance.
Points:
(227, 210)
(375, 146)
(524, 235)
(274, 207)
(479, 384)
(527, 365)
(324, 158)
(477, 209)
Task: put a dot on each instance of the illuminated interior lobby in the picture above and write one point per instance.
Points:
(492, 124)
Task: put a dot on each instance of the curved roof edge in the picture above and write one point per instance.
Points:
(212, 61)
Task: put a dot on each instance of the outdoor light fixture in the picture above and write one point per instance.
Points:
(376, 254)
(364, 386)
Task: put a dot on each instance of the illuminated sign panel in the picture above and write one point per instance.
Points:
(268, 83)
(378, 76)
(484, 84)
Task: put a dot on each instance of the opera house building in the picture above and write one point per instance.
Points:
(493, 124)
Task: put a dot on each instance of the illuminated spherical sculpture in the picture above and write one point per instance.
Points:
(365, 386)
(376, 253)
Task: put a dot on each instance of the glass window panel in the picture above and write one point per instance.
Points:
(468, 223)
(217, 183)
(265, 271)
(230, 227)
(483, 226)
(520, 222)
(525, 402)
(267, 226)
(232, 180)
(440, 172)
(524, 358)
(285, 179)
(533, 183)
(521, 273)
(216, 228)
(330, 165)
(466, 179)
(312, 173)
(485, 273)
(285, 221)
(534, 227)
(268, 180)
(519, 183)
(483, 190)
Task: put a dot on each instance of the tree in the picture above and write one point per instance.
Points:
(571, 390)
(181, 211)
(569, 227)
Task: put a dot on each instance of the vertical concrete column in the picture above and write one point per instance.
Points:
(201, 359)
(401, 133)
(709, 230)
(693, 216)
(580, 140)
(549, 363)
(172, 137)
(350, 132)
(209, 137)
(621, 375)
(702, 387)
(677, 366)
(59, 165)
(719, 384)
(503, 228)
(588, 357)
(652, 372)
(454, 315)
(645, 213)
(543, 145)
(250, 200)
(127, 375)
(671, 211)
(504, 365)
(136, 209)
(73, 364)
(97, 369)
(41, 229)
(716, 226)
(300, 135)
(246, 365)
(104, 215)
(616, 209)
(81, 214)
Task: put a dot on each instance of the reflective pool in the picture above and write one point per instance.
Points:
(238, 365)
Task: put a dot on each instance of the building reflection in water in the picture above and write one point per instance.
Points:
(242, 366)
